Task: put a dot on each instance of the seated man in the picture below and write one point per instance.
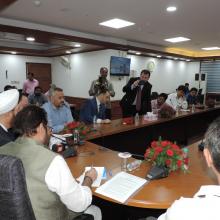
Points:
(53, 191)
(8, 104)
(192, 97)
(177, 98)
(157, 103)
(94, 109)
(37, 98)
(205, 203)
(58, 111)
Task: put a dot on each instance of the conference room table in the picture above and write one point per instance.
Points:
(184, 128)
(157, 194)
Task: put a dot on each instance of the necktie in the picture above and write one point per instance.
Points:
(138, 101)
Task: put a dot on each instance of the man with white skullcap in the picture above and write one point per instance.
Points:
(8, 102)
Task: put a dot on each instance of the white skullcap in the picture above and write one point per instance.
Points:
(8, 100)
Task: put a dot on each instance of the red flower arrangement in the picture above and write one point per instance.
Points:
(83, 129)
(166, 153)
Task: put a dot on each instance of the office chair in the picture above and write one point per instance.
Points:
(14, 200)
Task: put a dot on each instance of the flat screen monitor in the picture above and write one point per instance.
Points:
(120, 66)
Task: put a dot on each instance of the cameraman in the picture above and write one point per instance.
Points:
(103, 82)
(137, 95)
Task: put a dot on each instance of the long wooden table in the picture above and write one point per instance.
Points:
(136, 137)
(158, 194)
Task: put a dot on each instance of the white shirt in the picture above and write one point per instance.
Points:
(3, 127)
(60, 180)
(174, 101)
(203, 206)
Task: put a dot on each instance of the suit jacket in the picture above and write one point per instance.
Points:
(5, 137)
(130, 95)
(89, 110)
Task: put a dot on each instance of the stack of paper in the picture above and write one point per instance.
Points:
(121, 186)
(101, 175)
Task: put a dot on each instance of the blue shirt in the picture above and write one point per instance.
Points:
(192, 99)
(58, 117)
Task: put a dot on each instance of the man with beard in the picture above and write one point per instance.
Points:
(37, 98)
(58, 111)
(53, 191)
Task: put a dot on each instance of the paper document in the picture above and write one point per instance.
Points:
(101, 175)
(121, 186)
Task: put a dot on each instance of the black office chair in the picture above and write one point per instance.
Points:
(14, 200)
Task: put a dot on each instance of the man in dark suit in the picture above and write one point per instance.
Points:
(94, 109)
(9, 102)
(137, 97)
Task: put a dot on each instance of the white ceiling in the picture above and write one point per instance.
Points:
(194, 19)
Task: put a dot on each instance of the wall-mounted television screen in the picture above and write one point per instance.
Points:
(120, 66)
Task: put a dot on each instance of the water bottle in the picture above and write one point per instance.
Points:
(76, 137)
(185, 156)
(193, 108)
(136, 119)
(94, 119)
(134, 165)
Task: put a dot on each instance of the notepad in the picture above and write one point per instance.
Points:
(121, 186)
(101, 175)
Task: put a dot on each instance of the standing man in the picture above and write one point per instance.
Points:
(53, 191)
(102, 80)
(8, 104)
(137, 95)
(30, 84)
(58, 111)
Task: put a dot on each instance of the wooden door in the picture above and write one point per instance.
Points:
(42, 72)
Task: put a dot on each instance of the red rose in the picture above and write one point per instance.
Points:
(165, 143)
(169, 152)
(147, 153)
(159, 149)
(72, 125)
(186, 161)
(83, 132)
(179, 163)
(154, 144)
(175, 147)
(168, 162)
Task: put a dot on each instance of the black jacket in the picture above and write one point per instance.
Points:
(5, 137)
(129, 97)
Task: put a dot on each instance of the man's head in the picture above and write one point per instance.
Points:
(32, 122)
(7, 87)
(57, 97)
(212, 148)
(30, 76)
(22, 102)
(193, 91)
(8, 103)
(161, 98)
(145, 75)
(187, 85)
(103, 95)
(37, 90)
(180, 91)
(103, 72)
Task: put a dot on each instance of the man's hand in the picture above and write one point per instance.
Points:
(135, 83)
(90, 177)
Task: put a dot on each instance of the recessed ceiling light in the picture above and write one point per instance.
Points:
(211, 48)
(116, 23)
(177, 39)
(171, 8)
(30, 39)
(175, 58)
(37, 2)
(138, 53)
(188, 60)
(13, 52)
(77, 45)
(68, 51)
(159, 56)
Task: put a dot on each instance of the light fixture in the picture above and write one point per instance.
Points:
(138, 53)
(37, 3)
(188, 60)
(77, 45)
(159, 56)
(13, 52)
(175, 58)
(211, 48)
(116, 23)
(30, 39)
(171, 8)
(177, 39)
(68, 51)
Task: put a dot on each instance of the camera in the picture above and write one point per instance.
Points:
(141, 83)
